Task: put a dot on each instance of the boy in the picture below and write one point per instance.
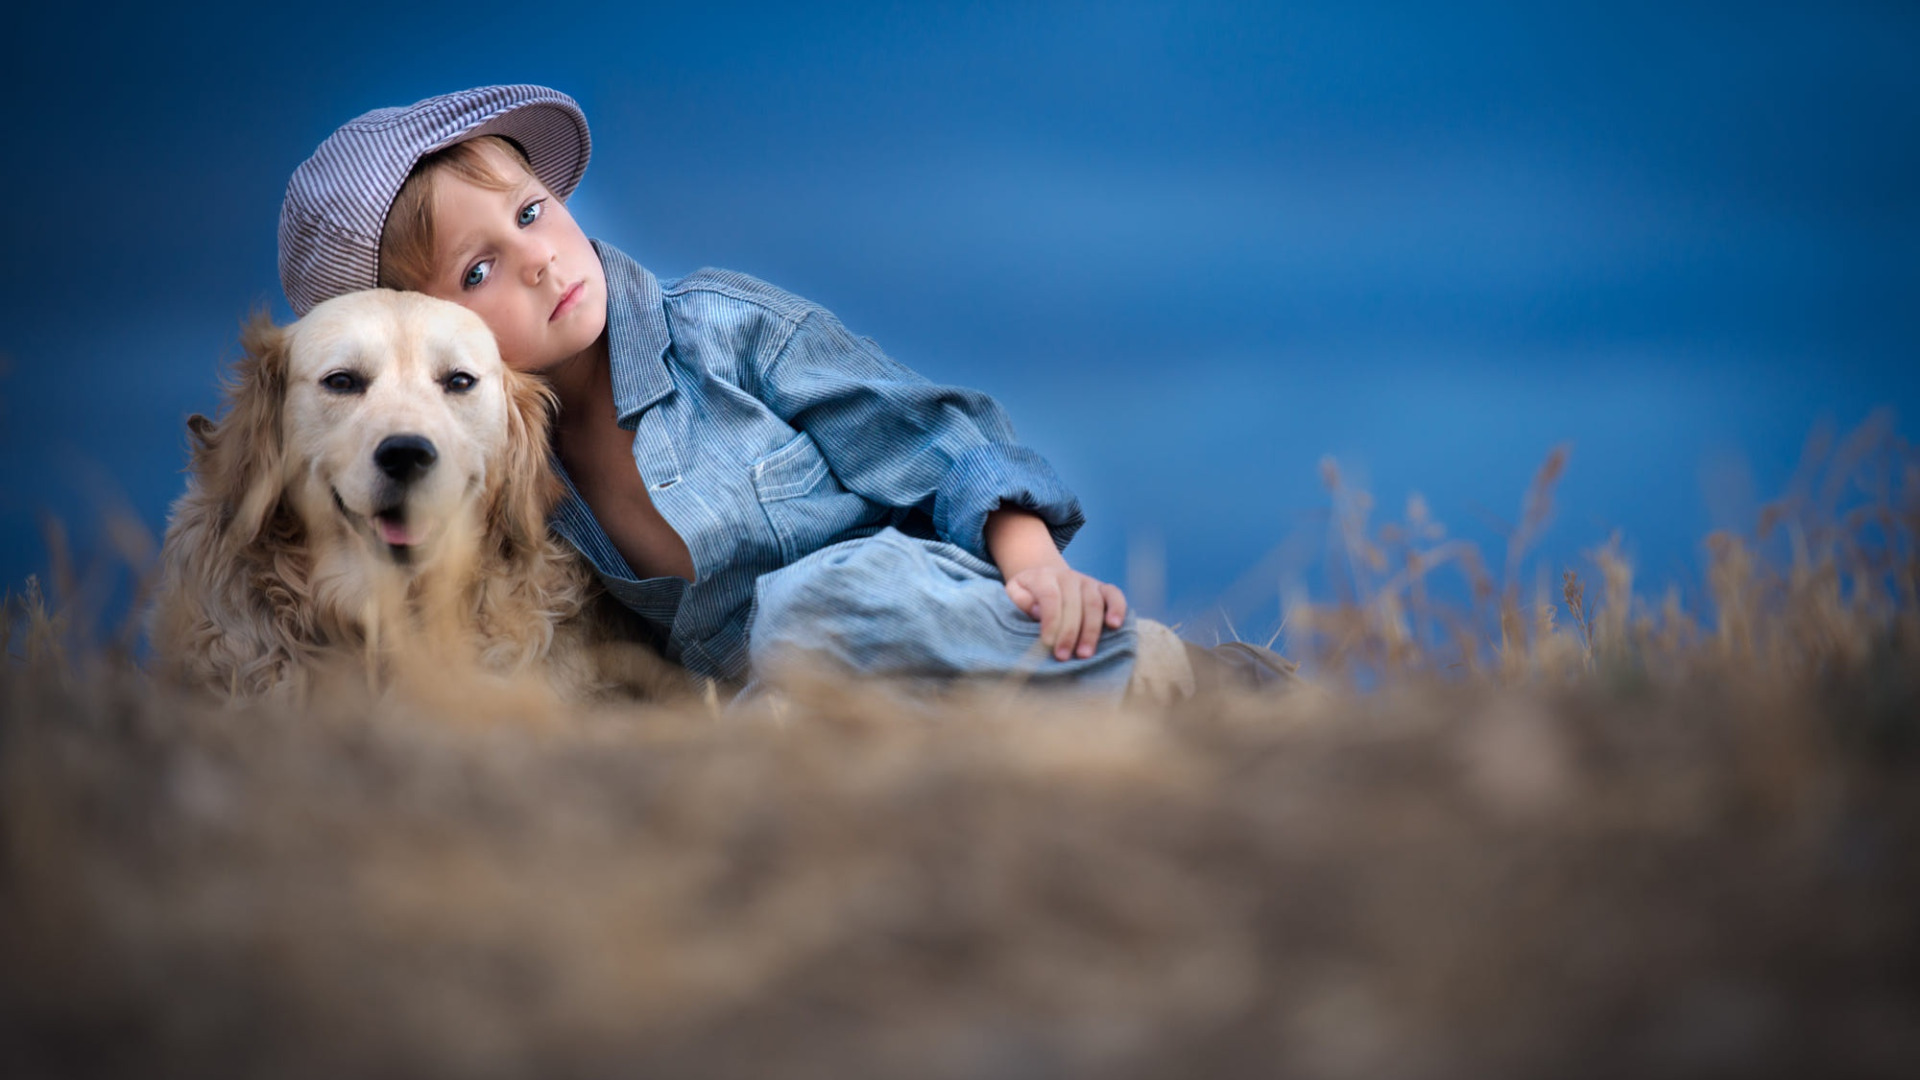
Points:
(741, 471)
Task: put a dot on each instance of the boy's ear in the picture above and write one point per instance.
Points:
(529, 488)
(238, 460)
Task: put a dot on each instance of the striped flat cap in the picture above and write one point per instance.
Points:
(338, 199)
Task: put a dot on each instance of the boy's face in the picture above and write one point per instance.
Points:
(516, 259)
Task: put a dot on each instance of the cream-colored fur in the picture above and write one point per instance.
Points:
(277, 565)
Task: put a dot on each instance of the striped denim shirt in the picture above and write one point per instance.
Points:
(765, 431)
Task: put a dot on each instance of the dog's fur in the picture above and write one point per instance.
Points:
(280, 561)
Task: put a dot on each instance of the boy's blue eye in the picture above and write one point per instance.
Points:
(529, 212)
(478, 273)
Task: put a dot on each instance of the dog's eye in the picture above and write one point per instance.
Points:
(344, 382)
(459, 382)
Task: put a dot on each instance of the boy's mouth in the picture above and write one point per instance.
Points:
(567, 300)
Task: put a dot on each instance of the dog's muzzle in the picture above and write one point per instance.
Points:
(403, 460)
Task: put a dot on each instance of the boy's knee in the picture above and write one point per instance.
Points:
(885, 604)
(861, 579)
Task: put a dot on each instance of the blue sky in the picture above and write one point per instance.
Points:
(1192, 247)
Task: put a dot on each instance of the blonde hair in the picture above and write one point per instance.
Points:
(407, 240)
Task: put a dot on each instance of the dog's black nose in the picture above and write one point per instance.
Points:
(405, 457)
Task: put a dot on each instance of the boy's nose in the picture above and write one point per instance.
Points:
(537, 263)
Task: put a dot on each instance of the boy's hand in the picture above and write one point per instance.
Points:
(1072, 607)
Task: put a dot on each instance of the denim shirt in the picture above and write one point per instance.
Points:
(765, 431)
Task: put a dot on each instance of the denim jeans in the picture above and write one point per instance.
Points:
(924, 610)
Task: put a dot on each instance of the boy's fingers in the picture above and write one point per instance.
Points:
(1021, 596)
(1093, 610)
(1069, 627)
(1047, 596)
(1116, 604)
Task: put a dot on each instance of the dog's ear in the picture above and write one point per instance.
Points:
(239, 459)
(200, 433)
(529, 489)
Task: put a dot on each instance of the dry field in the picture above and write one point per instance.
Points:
(1577, 834)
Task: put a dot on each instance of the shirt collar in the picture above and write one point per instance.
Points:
(637, 338)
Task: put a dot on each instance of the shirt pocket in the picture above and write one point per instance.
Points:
(786, 482)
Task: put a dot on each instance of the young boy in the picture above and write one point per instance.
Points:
(742, 472)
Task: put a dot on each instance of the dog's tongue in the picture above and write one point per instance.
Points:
(393, 530)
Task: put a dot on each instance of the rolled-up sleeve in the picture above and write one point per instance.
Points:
(894, 437)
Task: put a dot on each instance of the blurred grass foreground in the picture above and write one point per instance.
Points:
(1543, 832)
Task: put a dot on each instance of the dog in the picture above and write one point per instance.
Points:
(377, 487)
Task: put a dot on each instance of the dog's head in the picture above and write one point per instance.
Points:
(385, 420)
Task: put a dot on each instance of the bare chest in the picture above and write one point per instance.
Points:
(603, 471)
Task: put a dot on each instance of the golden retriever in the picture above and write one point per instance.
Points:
(377, 487)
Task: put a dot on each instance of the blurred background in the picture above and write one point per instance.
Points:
(1193, 248)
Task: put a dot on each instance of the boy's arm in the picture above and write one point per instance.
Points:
(895, 438)
(1071, 606)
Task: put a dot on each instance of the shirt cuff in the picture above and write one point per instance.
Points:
(984, 478)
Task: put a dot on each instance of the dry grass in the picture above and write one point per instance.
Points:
(1827, 581)
(1571, 835)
